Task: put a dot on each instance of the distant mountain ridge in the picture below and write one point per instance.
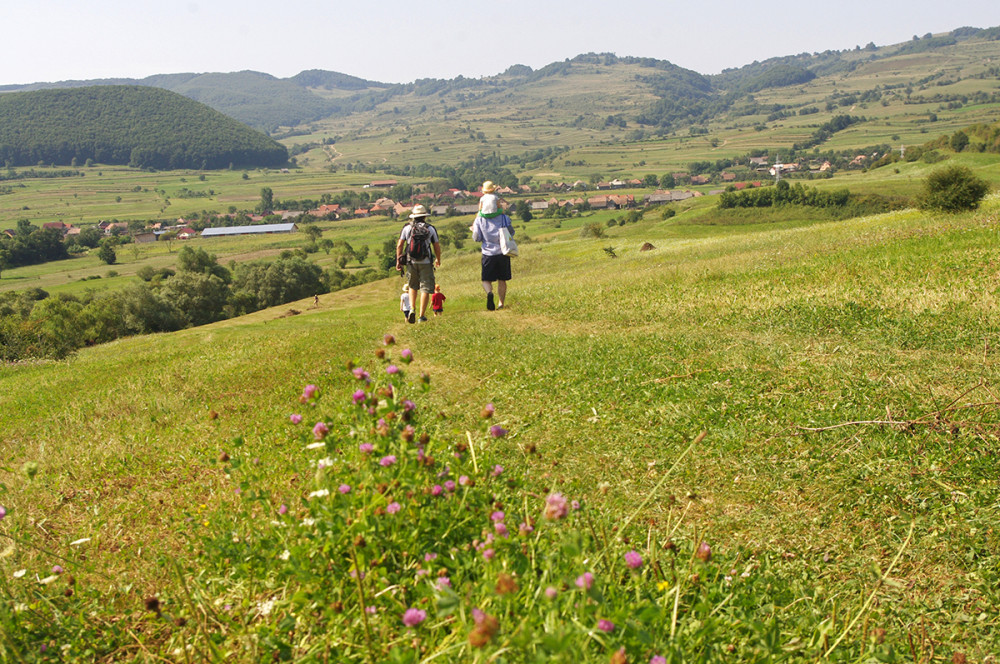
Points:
(681, 96)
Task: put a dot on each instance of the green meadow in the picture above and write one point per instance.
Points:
(752, 435)
(843, 374)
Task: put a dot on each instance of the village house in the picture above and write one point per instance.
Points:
(60, 226)
(324, 210)
(699, 179)
(621, 201)
(186, 233)
(381, 184)
(144, 238)
(728, 177)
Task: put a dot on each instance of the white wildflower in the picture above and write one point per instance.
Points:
(285, 555)
(321, 493)
(315, 446)
(19, 573)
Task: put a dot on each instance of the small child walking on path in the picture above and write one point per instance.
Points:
(437, 300)
(488, 202)
(404, 302)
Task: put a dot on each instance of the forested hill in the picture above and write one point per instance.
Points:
(127, 124)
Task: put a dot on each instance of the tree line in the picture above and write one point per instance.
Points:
(841, 201)
(34, 324)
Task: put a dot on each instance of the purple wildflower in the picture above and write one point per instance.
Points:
(283, 509)
(344, 488)
(366, 448)
(406, 355)
(57, 569)
(320, 430)
(585, 581)
(501, 529)
(497, 470)
(497, 431)
(392, 369)
(633, 560)
(704, 552)
(658, 659)
(605, 625)
(449, 485)
(488, 554)
(463, 480)
(555, 506)
(371, 610)
(436, 490)
(551, 592)
(414, 617)
(429, 557)
(3, 512)
(575, 505)
(497, 516)
(387, 460)
(359, 397)
(393, 507)
(309, 392)
(443, 582)
(295, 418)
(524, 528)
(408, 405)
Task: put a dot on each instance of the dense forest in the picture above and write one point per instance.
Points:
(135, 125)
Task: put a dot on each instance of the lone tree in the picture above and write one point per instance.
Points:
(953, 189)
(107, 253)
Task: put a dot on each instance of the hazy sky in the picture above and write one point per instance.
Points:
(397, 42)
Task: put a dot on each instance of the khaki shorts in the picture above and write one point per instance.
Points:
(421, 277)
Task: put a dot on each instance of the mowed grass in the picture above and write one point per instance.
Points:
(881, 332)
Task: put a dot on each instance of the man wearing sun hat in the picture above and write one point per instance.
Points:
(417, 255)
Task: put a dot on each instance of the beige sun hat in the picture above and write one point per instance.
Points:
(419, 211)
(489, 187)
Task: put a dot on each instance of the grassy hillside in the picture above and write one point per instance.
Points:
(842, 373)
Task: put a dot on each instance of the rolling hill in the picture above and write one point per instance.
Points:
(136, 125)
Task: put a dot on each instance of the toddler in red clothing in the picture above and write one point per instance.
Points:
(437, 300)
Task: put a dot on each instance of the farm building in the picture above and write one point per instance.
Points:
(249, 230)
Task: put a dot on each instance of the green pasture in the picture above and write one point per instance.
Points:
(843, 372)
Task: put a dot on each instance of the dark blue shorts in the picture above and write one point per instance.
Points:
(496, 268)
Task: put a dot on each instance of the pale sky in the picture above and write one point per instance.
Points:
(397, 42)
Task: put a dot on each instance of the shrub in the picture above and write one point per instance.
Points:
(953, 189)
(592, 230)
